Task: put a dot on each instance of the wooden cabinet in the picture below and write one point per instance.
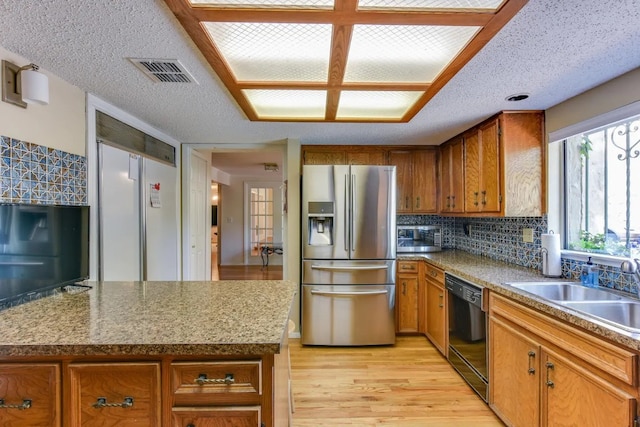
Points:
(344, 155)
(30, 395)
(240, 416)
(452, 176)
(122, 394)
(545, 372)
(417, 180)
(436, 308)
(407, 301)
(495, 168)
(481, 168)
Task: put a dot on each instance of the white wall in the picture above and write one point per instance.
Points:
(59, 125)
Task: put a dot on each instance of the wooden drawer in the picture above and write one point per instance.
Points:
(434, 273)
(408, 267)
(609, 358)
(34, 385)
(115, 382)
(197, 383)
(225, 416)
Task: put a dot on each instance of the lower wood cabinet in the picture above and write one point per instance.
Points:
(545, 372)
(436, 308)
(114, 394)
(407, 297)
(30, 395)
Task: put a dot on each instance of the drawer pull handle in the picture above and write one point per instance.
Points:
(441, 298)
(101, 402)
(26, 404)
(202, 379)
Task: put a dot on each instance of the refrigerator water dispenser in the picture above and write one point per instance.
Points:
(321, 223)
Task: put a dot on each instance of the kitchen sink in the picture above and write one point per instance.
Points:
(616, 310)
(623, 314)
(566, 291)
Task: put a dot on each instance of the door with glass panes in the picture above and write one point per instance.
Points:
(263, 221)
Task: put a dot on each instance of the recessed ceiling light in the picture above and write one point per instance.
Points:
(517, 97)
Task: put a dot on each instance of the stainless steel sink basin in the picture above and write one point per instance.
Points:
(622, 314)
(565, 291)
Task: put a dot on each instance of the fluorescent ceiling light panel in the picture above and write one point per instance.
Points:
(403, 53)
(274, 52)
(429, 4)
(355, 104)
(306, 4)
(289, 104)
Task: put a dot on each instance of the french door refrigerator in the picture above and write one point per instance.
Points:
(348, 255)
(139, 223)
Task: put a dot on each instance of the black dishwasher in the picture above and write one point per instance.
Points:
(467, 333)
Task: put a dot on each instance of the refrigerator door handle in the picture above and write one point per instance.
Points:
(353, 213)
(349, 268)
(346, 294)
(346, 213)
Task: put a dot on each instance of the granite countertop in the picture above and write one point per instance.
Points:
(494, 275)
(152, 318)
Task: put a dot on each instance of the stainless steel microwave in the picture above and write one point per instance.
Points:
(419, 238)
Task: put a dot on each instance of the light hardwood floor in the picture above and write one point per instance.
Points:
(409, 384)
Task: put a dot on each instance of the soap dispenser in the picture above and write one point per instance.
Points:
(589, 275)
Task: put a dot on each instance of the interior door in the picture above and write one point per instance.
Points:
(196, 216)
(120, 229)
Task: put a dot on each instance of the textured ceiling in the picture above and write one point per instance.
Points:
(551, 49)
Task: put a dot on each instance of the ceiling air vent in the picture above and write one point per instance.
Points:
(163, 70)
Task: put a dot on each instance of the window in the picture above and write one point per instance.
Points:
(602, 189)
(261, 218)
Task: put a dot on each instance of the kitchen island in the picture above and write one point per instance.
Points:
(149, 353)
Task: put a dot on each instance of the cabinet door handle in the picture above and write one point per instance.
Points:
(417, 202)
(26, 404)
(484, 197)
(441, 297)
(202, 380)
(406, 202)
(475, 195)
(453, 200)
(448, 201)
(550, 367)
(404, 288)
(101, 402)
(532, 358)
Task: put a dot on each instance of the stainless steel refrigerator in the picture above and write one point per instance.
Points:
(348, 255)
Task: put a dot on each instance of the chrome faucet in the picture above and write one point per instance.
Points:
(632, 267)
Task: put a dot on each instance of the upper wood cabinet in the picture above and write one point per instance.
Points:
(344, 155)
(502, 167)
(452, 176)
(416, 175)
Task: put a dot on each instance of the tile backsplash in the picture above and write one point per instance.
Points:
(501, 239)
(33, 173)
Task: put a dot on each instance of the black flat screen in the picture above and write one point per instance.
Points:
(42, 247)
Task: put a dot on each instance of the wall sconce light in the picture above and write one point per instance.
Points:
(273, 167)
(24, 85)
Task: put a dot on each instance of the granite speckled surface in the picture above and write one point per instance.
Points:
(494, 275)
(152, 318)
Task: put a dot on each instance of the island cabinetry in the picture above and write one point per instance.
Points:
(343, 155)
(407, 297)
(436, 308)
(545, 372)
(240, 416)
(30, 395)
(452, 176)
(417, 180)
(122, 394)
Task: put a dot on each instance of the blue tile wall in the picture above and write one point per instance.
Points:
(501, 239)
(32, 173)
